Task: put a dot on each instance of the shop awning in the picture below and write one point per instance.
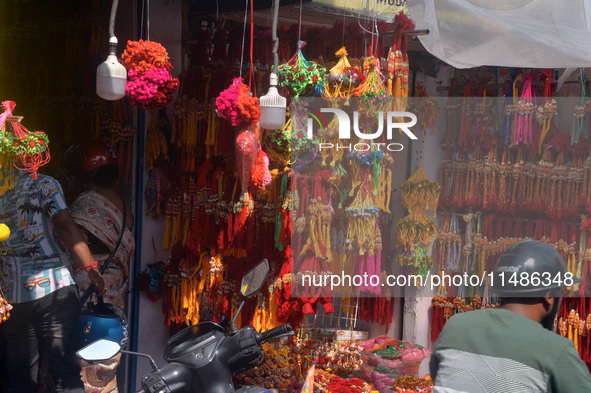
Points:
(510, 33)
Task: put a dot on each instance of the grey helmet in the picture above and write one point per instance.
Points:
(531, 268)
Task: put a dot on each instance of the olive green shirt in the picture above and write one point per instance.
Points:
(496, 350)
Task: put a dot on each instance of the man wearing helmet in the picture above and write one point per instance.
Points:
(511, 349)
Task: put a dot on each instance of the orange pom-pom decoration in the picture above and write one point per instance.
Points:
(261, 177)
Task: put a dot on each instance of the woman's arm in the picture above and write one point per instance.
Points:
(81, 256)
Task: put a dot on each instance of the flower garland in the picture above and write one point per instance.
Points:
(150, 84)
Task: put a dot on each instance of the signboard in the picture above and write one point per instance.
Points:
(383, 9)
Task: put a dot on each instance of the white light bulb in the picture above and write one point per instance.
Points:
(273, 107)
(111, 75)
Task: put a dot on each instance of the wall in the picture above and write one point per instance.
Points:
(165, 25)
(427, 151)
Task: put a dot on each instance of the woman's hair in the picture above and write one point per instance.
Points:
(103, 176)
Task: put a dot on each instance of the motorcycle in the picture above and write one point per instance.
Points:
(203, 358)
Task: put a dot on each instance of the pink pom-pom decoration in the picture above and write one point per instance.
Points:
(236, 105)
(151, 90)
(149, 83)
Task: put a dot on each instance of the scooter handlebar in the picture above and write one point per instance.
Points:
(275, 333)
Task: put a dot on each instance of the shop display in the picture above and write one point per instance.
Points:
(229, 192)
(380, 364)
(520, 178)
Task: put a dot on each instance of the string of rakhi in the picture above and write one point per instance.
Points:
(509, 181)
(5, 307)
(426, 109)
(398, 65)
(116, 130)
(444, 307)
(574, 322)
(494, 234)
(580, 123)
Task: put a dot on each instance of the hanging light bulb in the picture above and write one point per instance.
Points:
(111, 75)
(273, 105)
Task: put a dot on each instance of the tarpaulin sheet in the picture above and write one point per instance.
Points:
(510, 33)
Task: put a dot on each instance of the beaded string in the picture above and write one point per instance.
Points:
(524, 112)
(547, 112)
(581, 111)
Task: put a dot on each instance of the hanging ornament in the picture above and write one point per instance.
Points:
(302, 77)
(19, 147)
(581, 112)
(156, 145)
(374, 97)
(525, 111)
(261, 177)
(546, 113)
(149, 84)
(426, 109)
(236, 105)
(342, 79)
(278, 144)
(246, 151)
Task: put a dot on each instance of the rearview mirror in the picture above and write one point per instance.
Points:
(255, 278)
(99, 350)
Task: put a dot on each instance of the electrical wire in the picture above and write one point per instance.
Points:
(300, 26)
(243, 35)
(274, 36)
(112, 18)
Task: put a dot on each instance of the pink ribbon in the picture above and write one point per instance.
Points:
(8, 108)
